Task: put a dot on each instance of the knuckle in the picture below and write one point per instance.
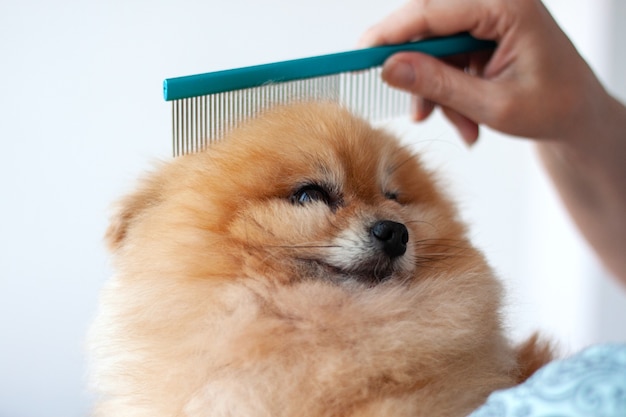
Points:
(439, 85)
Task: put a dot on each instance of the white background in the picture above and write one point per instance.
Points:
(81, 116)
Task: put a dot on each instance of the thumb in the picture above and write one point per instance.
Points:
(432, 79)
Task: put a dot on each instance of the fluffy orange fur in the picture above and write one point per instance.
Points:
(251, 282)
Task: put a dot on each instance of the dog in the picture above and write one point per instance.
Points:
(307, 265)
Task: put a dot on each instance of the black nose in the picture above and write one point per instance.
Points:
(391, 236)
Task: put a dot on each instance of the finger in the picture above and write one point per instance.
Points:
(399, 26)
(467, 128)
(478, 61)
(443, 84)
(421, 108)
(473, 63)
(420, 19)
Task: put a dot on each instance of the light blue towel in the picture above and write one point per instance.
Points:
(589, 384)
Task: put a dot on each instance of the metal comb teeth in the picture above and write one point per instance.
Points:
(199, 121)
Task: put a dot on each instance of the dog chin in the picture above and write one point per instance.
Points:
(371, 273)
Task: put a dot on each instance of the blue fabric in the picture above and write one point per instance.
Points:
(589, 384)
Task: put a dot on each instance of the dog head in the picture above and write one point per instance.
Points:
(306, 192)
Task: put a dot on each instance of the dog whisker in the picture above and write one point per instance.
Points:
(397, 166)
(426, 243)
(303, 246)
(423, 222)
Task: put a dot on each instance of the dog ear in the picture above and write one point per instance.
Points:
(532, 355)
(128, 210)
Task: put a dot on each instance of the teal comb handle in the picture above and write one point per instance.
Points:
(317, 66)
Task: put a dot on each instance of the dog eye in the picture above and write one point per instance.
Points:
(311, 193)
(391, 196)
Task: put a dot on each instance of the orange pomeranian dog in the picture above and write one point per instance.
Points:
(307, 265)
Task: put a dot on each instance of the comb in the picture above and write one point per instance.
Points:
(206, 106)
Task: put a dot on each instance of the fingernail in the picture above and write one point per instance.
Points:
(398, 73)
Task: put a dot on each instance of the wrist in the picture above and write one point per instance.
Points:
(595, 137)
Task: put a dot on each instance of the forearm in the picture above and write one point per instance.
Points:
(589, 171)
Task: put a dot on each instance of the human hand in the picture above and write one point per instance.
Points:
(535, 84)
